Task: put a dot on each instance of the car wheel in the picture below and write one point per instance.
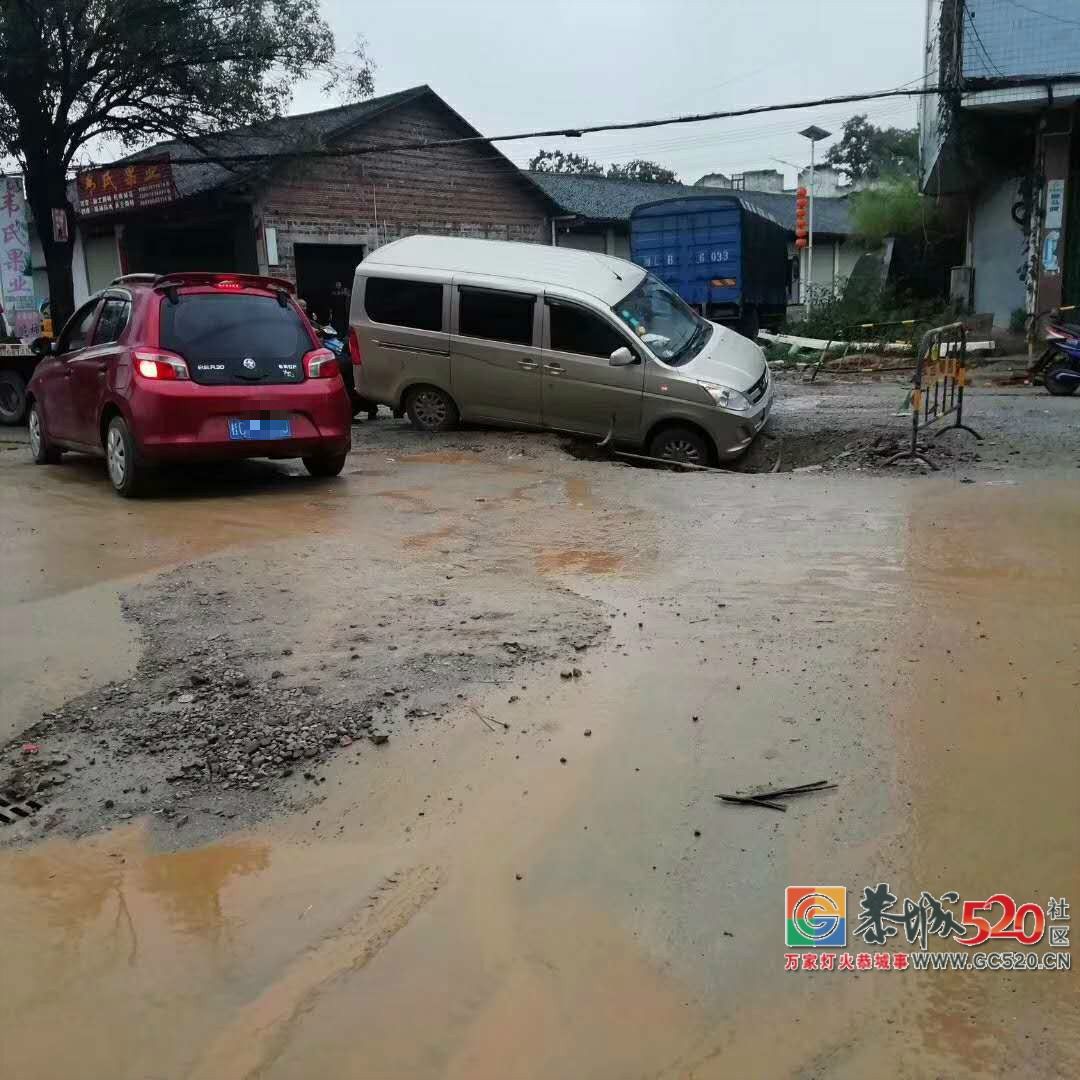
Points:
(12, 398)
(125, 472)
(431, 409)
(44, 453)
(325, 464)
(680, 444)
(1060, 379)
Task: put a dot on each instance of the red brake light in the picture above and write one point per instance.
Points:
(354, 348)
(228, 283)
(160, 365)
(320, 364)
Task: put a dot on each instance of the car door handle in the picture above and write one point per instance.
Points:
(554, 369)
(527, 365)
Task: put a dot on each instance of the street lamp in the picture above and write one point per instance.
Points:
(815, 135)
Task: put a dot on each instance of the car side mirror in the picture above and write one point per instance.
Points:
(43, 346)
(622, 357)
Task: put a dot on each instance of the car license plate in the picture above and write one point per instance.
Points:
(260, 429)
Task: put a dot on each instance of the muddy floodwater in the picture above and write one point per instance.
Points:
(540, 882)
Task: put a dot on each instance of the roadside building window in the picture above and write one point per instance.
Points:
(498, 316)
(415, 304)
(576, 330)
(77, 332)
(114, 317)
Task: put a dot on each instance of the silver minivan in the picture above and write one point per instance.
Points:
(450, 329)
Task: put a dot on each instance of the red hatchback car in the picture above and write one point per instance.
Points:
(190, 367)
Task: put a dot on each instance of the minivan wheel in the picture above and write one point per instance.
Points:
(44, 453)
(325, 464)
(125, 472)
(680, 444)
(430, 409)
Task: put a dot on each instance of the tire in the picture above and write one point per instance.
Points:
(431, 409)
(1060, 387)
(12, 398)
(128, 476)
(44, 453)
(325, 464)
(680, 444)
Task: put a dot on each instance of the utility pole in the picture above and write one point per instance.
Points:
(815, 135)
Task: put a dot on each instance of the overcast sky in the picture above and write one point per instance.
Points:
(516, 65)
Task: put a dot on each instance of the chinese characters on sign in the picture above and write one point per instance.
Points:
(16, 277)
(816, 918)
(125, 187)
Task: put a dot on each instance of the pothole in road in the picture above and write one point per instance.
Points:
(773, 452)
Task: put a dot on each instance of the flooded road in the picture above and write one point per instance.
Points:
(564, 896)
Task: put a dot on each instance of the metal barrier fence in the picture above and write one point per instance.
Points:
(938, 387)
(856, 337)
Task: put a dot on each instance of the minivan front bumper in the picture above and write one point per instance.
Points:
(733, 432)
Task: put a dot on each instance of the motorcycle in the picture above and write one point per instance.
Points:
(1059, 365)
(332, 340)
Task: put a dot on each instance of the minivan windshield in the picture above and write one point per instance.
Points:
(663, 321)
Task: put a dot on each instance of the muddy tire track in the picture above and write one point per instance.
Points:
(261, 1029)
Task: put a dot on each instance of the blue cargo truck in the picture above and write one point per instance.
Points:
(726, 257)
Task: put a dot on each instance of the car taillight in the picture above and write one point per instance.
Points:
(320, 364)
(354, 348)
(160, 365)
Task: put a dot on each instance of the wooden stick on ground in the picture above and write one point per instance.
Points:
(749, 801)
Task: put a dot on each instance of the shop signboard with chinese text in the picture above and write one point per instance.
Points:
(136, 186)
(16, 276)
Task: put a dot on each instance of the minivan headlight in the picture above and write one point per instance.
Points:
(726, 398)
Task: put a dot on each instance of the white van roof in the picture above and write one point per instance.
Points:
(602, 276)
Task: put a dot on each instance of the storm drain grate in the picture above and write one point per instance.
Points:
(11, 812)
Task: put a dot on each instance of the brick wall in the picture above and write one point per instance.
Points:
(460, 191)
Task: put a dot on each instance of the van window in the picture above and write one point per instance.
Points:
(576, 330)
(499, 316)
(415, 304)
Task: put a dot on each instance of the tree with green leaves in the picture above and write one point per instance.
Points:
(892, 208)
(555, 161)
(866, 152)
(647, 172)
(77, 73)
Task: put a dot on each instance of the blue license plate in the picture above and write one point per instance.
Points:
(260, 429)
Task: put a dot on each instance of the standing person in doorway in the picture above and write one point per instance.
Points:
(339, 307)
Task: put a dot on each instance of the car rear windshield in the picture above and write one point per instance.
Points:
(235, 338)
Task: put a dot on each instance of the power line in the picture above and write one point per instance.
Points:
(978, 38)
(578, 132)
(1045, 14)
